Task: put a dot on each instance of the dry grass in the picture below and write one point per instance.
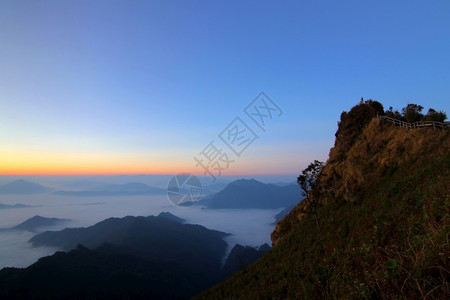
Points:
(384, 225)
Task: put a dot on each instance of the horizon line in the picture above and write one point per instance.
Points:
(145, 174)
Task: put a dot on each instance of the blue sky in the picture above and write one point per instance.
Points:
(143, 86)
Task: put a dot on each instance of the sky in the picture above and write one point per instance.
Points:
(145, 87)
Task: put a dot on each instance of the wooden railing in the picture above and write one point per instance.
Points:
(424, 124)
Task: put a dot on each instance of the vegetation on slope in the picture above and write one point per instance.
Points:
(384, 221)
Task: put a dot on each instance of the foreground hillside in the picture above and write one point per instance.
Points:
(384, 221)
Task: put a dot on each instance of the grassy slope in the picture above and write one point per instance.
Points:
(384, 223)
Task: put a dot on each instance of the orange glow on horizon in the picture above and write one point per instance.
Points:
(130, 170)
(22, 163)
(28, 163)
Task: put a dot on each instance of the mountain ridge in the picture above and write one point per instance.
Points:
(37, 221)
(250, 193)
(383, 214)
(23, 187)
(126, 189)
(139, 257)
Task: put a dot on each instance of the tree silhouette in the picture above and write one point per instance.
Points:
(433, 115)
(308, 183)
(412, 113)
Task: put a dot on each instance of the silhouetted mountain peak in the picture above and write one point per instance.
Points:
(37, 221)
(171, 217)
(154, 253)
(250, 193)
(244, 183)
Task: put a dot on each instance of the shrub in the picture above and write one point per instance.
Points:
(437, 116)
(412, 113)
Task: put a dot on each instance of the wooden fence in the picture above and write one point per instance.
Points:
(424, 124)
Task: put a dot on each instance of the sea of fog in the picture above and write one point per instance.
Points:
(248, 226)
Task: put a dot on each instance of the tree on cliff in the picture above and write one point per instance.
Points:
(412, 113)
(308, 183)
(433, 115)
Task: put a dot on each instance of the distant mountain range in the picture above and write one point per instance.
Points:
(127, 189)
(82, 184)
(37, 221)
(131, 257)
(136, 257)
(23, 187)
(244, 193)
(8, 206)
(163, 237)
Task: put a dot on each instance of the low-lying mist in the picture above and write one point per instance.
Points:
(247, 226)
(15, 251)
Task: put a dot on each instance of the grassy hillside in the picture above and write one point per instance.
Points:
(384, 222)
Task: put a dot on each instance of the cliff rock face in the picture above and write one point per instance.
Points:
(359, 161)
(383, 221)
